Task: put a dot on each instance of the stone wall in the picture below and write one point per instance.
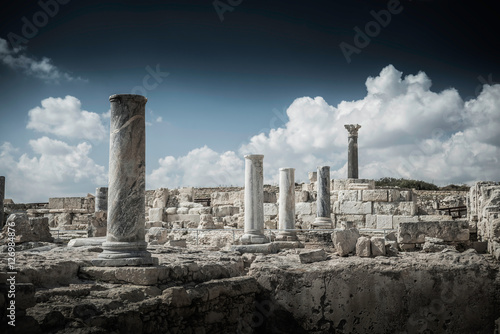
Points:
(429, 201)
(484, 213)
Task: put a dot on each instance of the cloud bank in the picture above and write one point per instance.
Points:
(408, 131)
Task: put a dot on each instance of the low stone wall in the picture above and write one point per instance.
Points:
(416, 293)
(429, 201)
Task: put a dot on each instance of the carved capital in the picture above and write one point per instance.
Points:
(353, 129)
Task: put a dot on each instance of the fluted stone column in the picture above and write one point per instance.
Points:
(125, 243)
(2, 196)
(352, 151)
(323, 219)
(101, 199)
(254, 200)
(287, 205)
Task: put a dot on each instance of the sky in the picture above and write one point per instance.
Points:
(226, 78)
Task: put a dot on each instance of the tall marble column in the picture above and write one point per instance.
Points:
(352, 151)
(101, 199)
(254, 200)
(2, 196)
(287, 205)
(323, 219)
(125, 243)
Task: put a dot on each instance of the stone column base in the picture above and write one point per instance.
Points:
(287, 236)
(322, 223)
(248, 239)
(117, 254)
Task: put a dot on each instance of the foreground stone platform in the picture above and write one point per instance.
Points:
(292, 291)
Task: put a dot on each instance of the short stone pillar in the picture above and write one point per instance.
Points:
(352, 150)
(101, 199)
(287, 205)
(323, 219)
(254, 200)
(2, 196)
(125, 239)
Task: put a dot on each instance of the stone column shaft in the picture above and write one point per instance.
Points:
(125, 243)
(287, 205)
(254, 200)
(101, 199)
(323, 219)
(2, 197)
(352, 150)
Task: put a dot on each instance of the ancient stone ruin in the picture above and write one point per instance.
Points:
(327, 256)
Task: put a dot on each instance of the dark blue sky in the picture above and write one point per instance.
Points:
(228, 80)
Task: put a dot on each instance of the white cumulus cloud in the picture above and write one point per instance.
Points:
(64, 117)
(408, 130)
(56, 169)
(200, 167)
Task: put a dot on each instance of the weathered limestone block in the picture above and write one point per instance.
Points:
(384, 222)
(206, 222)
(355, 208)
(171, 211)
(357, 220)
(345, 241)
(157, 234)
(186, 194)
(394, 195)
(183, 217)
(73, 203)
(396, 220)
(160, 198)
(270, 196)
(433, 245)
(378, 246)
(178, 243)
(371, 221)
(235, 198)
(304, 208)
(56, 203)
(156, 215)
(301, 196)
(189, 205)
(395, 208)
(349, 195)
(434, 218)
(183, 211)
(405, 195)
(375, 195)
(314, 255)
(449, 231)
(27, 229)
(266, 248)
(313, 177)
(363, 247)
(97, 225)
(270, 209)
(225, 210)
